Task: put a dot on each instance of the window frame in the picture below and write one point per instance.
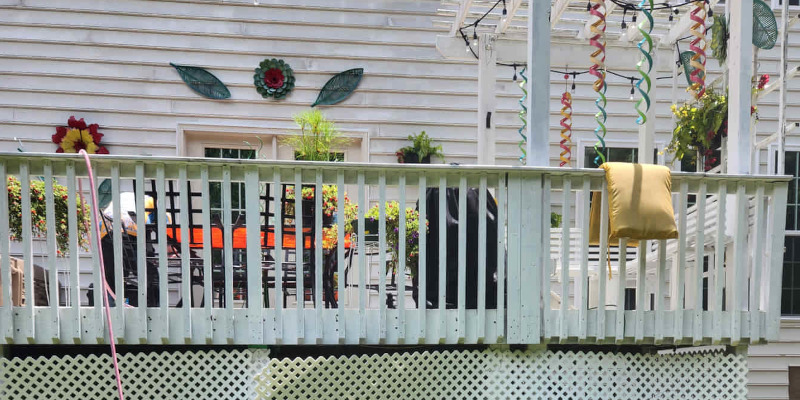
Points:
(776, 5)
(772, 164)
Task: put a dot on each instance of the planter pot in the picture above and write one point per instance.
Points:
(413, 158)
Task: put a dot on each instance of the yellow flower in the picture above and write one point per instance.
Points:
(77, 140)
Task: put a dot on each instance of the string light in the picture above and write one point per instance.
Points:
(474, 37)
(255, 2)
(631, 97)
(710, 11)
(624, 13)
(588, 6)
(515, 73)
(505, 12)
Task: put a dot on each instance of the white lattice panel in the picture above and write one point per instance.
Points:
(497, 374)
(212, 375)
(490, 374)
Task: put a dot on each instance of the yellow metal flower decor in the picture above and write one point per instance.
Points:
(78, 136)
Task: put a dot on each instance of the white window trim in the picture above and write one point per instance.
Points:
(776, 5)
(185, 131)
(771, 164)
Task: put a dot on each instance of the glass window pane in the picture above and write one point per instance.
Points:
(212, 153)
(215, 194)
(235, 195)
(248, 154)
(230, 153)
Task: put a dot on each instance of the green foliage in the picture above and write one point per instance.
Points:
(698, 123)
(39, 213)
(318, 136)
(392, 210)
(555, 220)
(422, 146)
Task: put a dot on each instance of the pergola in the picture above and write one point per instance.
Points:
(541, 34)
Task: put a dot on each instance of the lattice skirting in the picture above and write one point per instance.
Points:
(489, 374)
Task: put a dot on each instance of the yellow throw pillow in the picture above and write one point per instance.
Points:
(640, 204)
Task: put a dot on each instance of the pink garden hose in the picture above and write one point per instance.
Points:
(106, 288)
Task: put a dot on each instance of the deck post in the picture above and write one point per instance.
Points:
(538, 145)
(740, 74)
(648, 129)
(487, 98)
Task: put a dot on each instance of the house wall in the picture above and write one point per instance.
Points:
(108, 62)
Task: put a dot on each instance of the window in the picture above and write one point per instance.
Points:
(779, 3)
(790, 290)
(618, 154)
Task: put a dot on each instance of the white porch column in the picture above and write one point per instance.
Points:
(647, 131)
(740, 73)
(487, 99)
(538, 148)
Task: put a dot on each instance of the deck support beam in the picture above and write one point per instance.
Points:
(538, 145)
(647, 131)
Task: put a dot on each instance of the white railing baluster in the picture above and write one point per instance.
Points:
(661, 293)
(542, 240)
(462, 257)
(255, 290)
(738, 268)
(382, 266)
(50, 329)
(701, 201)
(186, 268)
(6, 315)
(94, 321)
(760, 234)
(340, 266)
(227, 252)
(679, 267)
(401, 264)
(318, 258)
(208, 269)
(582, 288)
(163, 267)
(719, 259)
(566, 217)
(116, 231)
(142, 322)
(641, 290)
(298, 196)
(74, 294)
(776, 238)
(442, 256)
(602, 269)
(422, 267)
(482, 236)
(299, 249)
(362, 257)
(501, 256)
(514, 330)
(26, 331)
(622, 278)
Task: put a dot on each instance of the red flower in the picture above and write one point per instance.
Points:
(61, 131)
(273, 78)
(102, 150)
(762, 82)
(59, 150)
(76, 123)
(752, 109)
(96, 136)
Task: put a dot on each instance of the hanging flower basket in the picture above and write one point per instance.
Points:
(274, 78)
(77, 136)
(700, 126)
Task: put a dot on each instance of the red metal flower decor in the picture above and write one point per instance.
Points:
(274, 78)
(78, 136)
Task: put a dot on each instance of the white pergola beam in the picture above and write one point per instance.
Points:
(740, 66)
(461, 15)
(512, 10)
(680, 29)
(538, 147)
(487, 99)
(587, 29)
(574, 54)
(558, 9)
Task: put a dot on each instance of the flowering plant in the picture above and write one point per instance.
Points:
(39, 214)
(78, 136)
(392, 210)
(330, 200)
(699, 126)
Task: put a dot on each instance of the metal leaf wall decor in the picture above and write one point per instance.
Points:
(202, 82)
(339, 87)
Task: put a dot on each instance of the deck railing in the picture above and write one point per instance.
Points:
(215, 257)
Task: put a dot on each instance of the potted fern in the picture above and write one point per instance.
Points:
(420, 151)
